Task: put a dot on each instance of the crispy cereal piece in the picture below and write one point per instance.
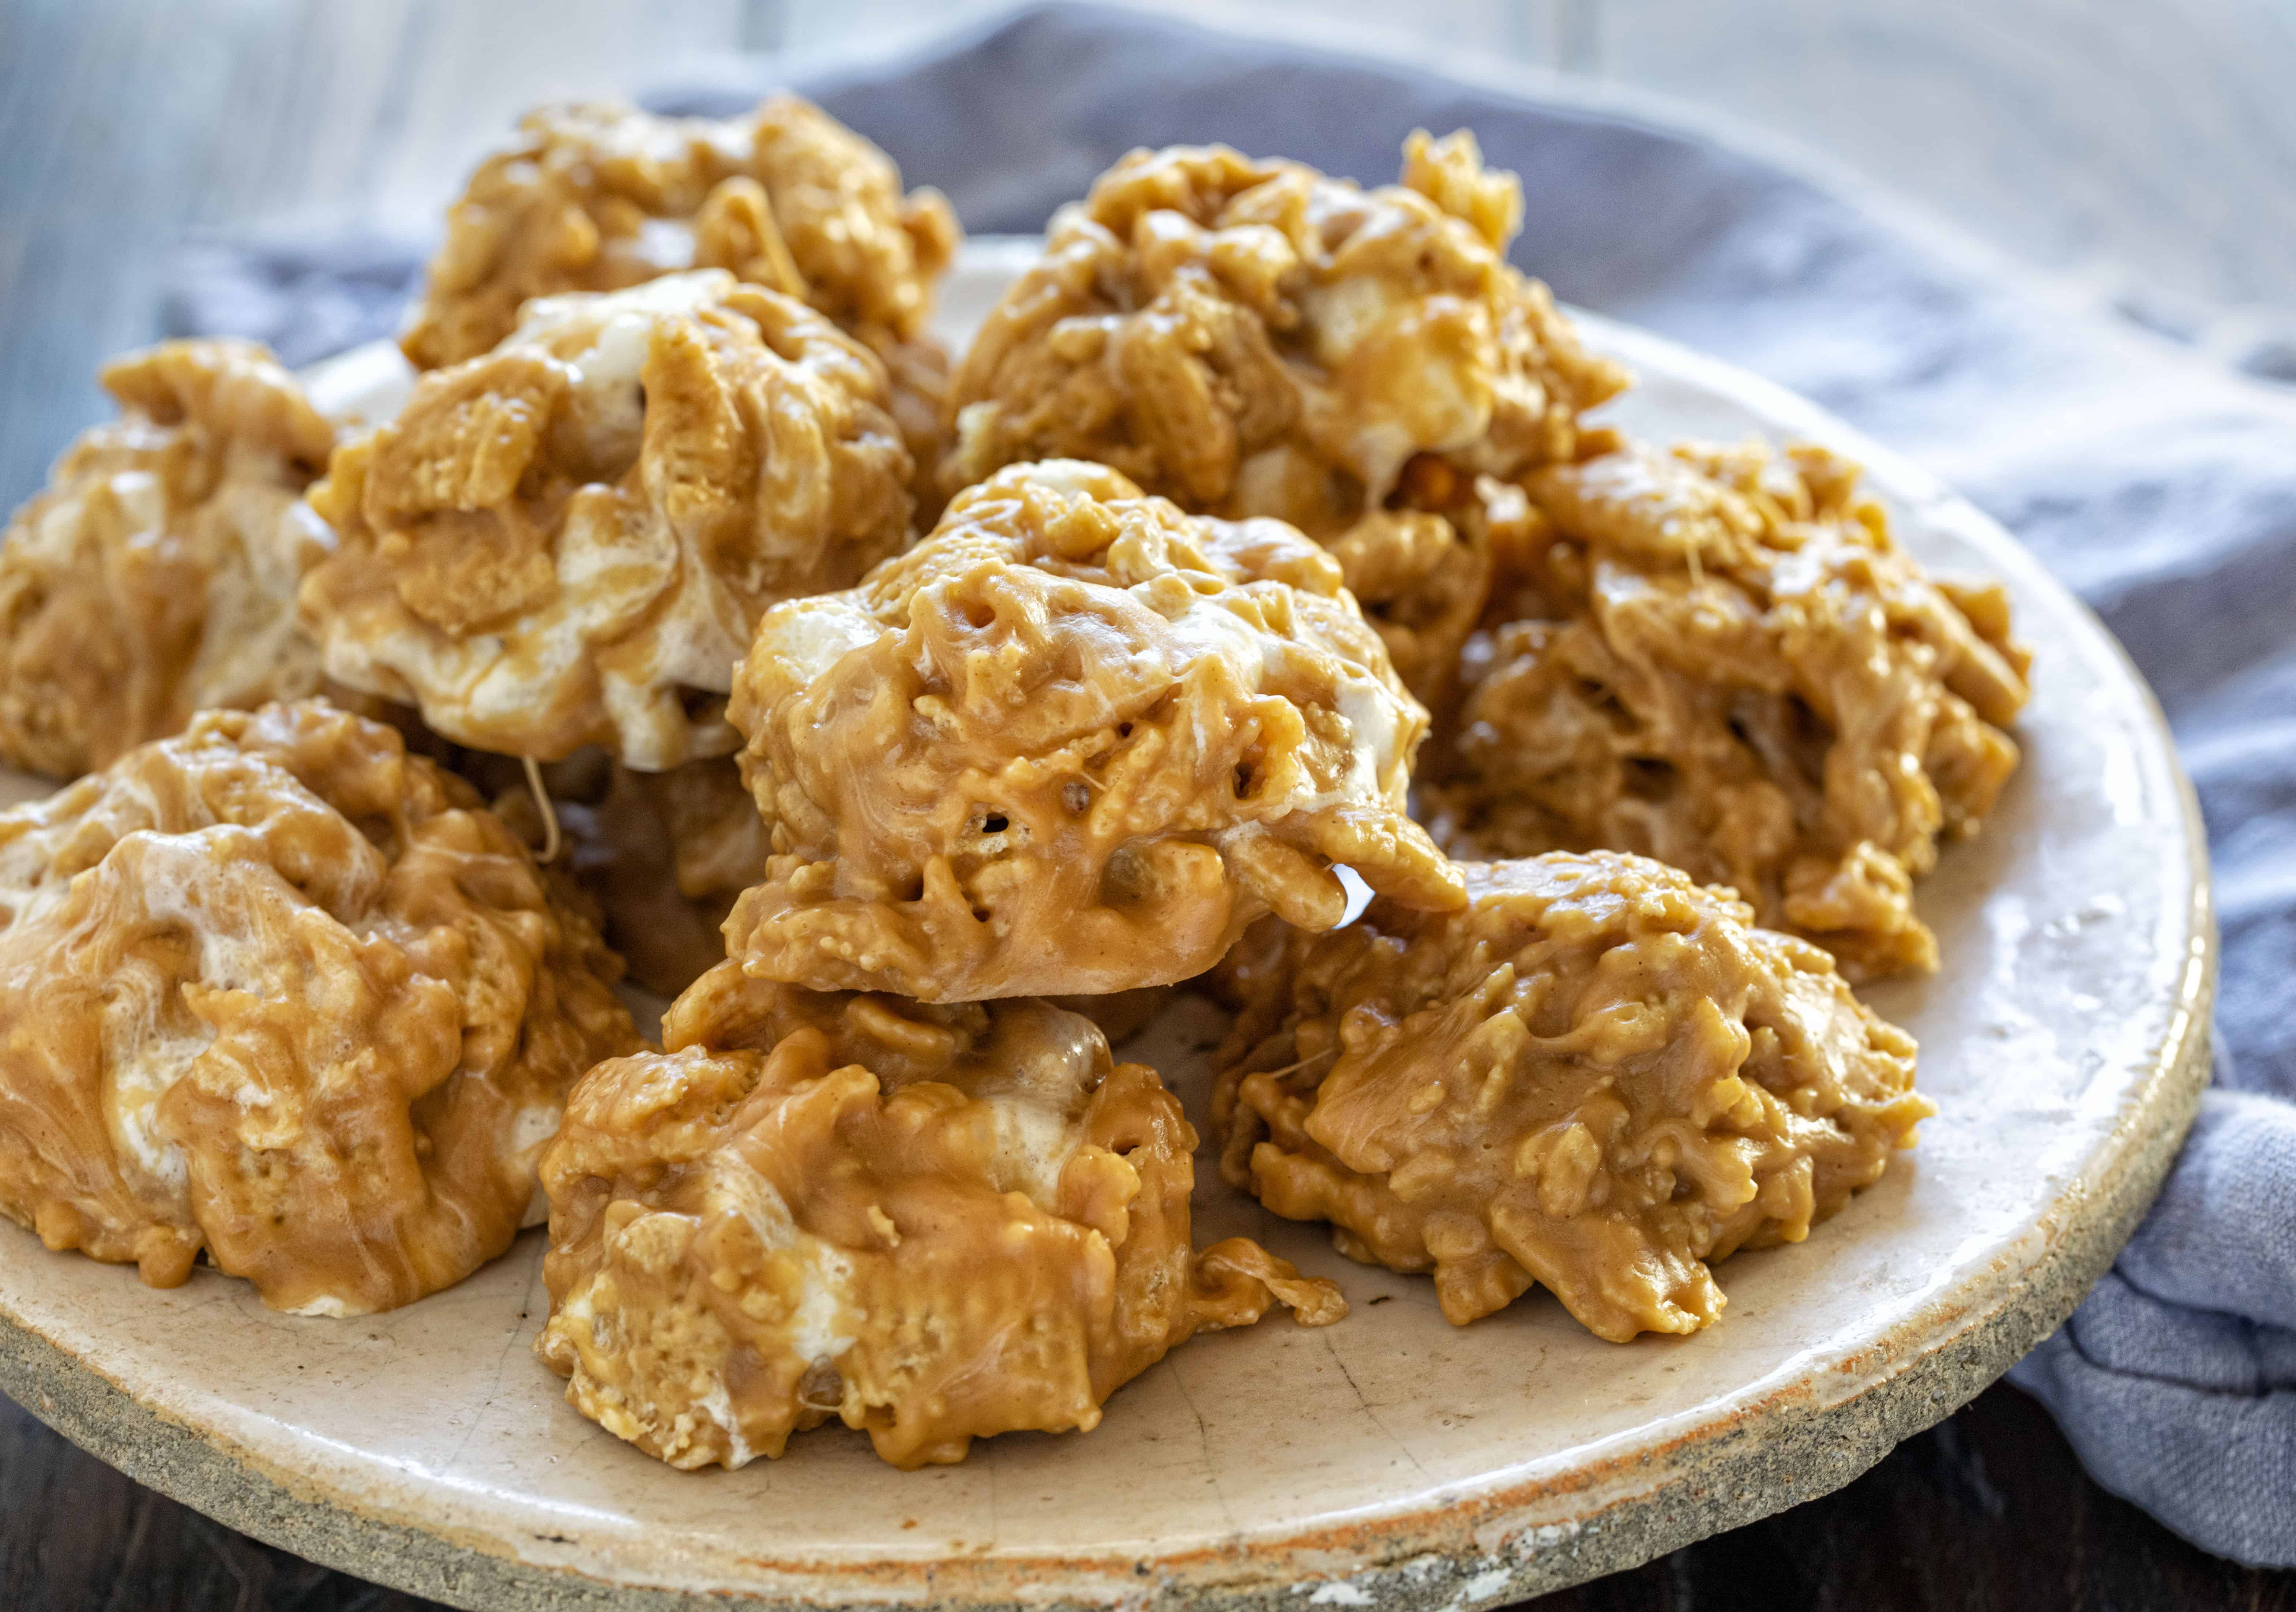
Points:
(277, 991)
(1597, 1077)
(935, 1224)
(1071, 744)
(1252, 338)
(601, 197)
(568, 542)
(1724, 661)
(155, 576)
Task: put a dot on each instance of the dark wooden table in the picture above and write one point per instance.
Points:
(1986, 1512)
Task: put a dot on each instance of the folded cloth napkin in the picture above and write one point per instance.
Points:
(2159, 485)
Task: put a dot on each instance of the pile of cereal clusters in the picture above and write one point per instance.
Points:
(911, 735)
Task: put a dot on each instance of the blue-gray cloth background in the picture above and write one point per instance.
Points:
(2159, 486)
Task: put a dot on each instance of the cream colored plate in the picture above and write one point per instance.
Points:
(1389, 1458)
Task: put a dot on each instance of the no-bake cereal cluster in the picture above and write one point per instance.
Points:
(914, 731)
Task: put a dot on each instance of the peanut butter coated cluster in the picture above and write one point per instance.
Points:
(567, 542)
(1073, 742)
(603, 197)
(279, 992)
(156, 575)
(1252, 471)
(1597, 1077)
(1253, 338)
(933, 1224)
(1721, 659)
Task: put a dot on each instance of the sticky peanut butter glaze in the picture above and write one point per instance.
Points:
(155, 575)
(1598, 1077)
(1072, 742)
(934, 1224)
(601, 197)
(278, 991)
(1253, 338)
(1723, 660)
(568, 541)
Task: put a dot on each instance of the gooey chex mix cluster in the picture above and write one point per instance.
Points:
(697, 611)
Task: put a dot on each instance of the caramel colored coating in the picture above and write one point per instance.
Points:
(662, 854)
(603, 197)
(1723, 661)
(935, 1224)
(155, 576)
(278, 991)
(1069, 744)
(568, 542)
(1253, 338)
(1598, 1077)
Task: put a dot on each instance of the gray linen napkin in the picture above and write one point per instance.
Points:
(2161, 486)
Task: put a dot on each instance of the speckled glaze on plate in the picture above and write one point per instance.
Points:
(1390, 1460)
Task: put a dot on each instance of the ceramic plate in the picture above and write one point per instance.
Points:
(1390, 1460)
